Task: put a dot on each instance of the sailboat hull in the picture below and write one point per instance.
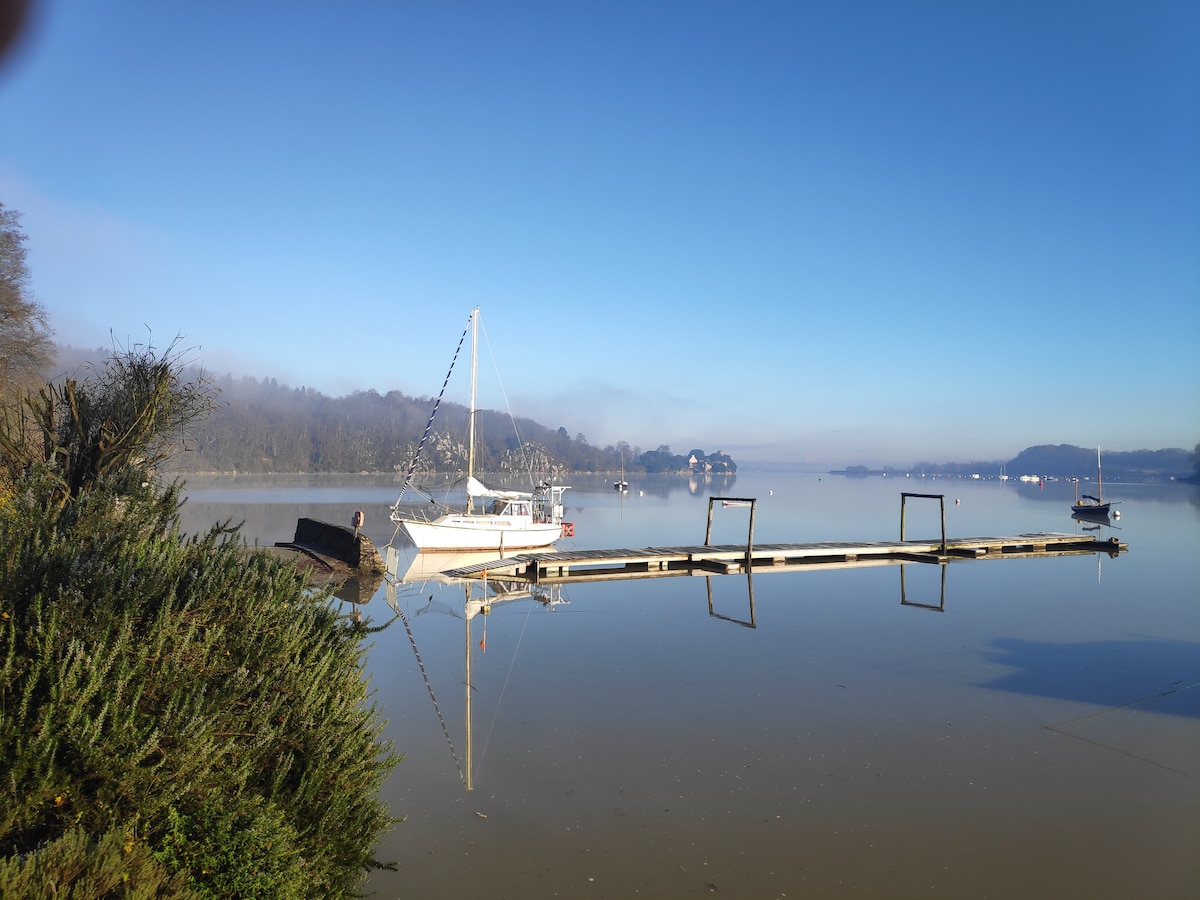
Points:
(480, 533)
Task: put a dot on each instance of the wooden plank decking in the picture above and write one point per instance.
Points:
(559, 566)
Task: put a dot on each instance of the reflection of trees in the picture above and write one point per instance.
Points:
(1193, 498)
(698, 485)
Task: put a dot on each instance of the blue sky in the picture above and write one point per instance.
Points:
(871, 232)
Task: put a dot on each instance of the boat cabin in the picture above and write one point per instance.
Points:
(503, 507)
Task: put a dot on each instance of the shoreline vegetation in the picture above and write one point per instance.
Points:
(179, 716)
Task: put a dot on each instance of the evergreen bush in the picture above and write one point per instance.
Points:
(179, 716)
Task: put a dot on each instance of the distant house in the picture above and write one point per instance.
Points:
(700, 463)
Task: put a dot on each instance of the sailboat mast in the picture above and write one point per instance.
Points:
(1099, 477)
(471, 417)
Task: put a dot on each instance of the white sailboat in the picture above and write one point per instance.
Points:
(494, 521)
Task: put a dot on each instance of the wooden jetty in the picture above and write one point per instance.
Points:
(557, 567)
(561, 566)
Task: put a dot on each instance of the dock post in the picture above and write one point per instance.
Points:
(752, 502)
(941, 498)
(942, 501)
(750, 536)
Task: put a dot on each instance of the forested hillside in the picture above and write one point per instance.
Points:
(264, 426)
(1069, 461)
(1066, 460)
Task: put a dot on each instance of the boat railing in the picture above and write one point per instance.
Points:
(416, 512)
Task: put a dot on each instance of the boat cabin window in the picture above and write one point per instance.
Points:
(510, 508)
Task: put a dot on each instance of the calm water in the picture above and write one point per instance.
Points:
(1036, 733)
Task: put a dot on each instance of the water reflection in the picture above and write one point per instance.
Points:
(749, 622)
(357, 590)
(940, 606)
(479, 596)
(1093, 521)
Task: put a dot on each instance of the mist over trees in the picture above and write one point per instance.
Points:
(265, 426)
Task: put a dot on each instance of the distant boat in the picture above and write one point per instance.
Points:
(1086, 504)
(513, 520)
(622, 486)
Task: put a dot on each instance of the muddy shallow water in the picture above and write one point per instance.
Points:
(1023, 727)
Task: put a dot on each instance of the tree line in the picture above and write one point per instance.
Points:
(265, 426)
(1065, 461)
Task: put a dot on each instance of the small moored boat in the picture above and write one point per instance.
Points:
(1086, 504)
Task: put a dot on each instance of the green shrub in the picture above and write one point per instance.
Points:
(80, 867)
(178, 716)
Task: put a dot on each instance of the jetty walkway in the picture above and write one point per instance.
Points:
(556, 567)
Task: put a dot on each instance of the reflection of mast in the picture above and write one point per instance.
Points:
(394, 603)
(472, 608)
(489, 592)
(467, 776)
